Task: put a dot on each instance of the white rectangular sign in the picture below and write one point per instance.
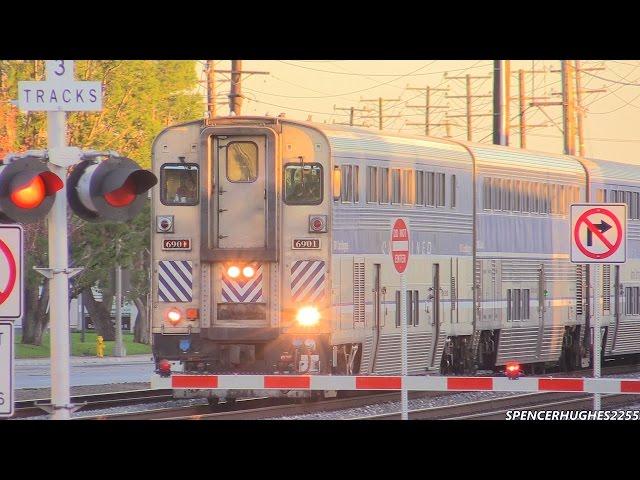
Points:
(68, 96)
(599, 233)
(6, 369)
(11, 272)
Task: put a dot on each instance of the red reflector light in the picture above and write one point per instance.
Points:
(29, 195)
(513, 370)
(123, 196)
(192, 313)
(164, 366)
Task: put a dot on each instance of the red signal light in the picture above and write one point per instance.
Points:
(29, 195)
(123, 196)
(513, 370)
(164, 367)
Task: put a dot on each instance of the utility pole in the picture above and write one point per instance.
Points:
(351, 111)
(580, 111)
(523, 107)
(501, 97)
(427, 108)
(568, 108)
(469, 97)
(380, 115)
(235, 93)
(211, 88)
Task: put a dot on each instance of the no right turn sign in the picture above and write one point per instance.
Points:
(598, 233)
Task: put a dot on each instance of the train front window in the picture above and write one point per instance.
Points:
(242, 162)
(303, 183)
(179, 184)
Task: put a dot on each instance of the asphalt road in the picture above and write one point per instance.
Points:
(39, 376)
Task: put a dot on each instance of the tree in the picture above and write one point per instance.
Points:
(139, 99)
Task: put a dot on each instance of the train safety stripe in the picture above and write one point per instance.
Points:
(414, 383)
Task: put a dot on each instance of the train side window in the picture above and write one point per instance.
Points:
(396, 185)
(634, 205)
(347, 184)
(242, 162)
(431, 189)
(398, 300)
(495, 194)
(525, 303)
(416, 308)
(384, 185)
(509, 303)
(453, 191)
(303, 183)
(516, 196)
(420, 188)
(372, 184)
(179, 184)
(524, 194)
(440, 189)
(486, 193)
(408, 190)
(356, 184)
(409, 307)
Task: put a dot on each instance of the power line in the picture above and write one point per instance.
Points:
(375, 74)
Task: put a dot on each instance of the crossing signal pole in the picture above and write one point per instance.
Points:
(501, 101)
(381, 116)
(32, 185)
(428, 106)
(468, 96)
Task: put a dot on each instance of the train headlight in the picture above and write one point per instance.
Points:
(174, 315)
(308, 316)
(248, 271)
(233, 271)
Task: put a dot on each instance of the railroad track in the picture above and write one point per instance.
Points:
(30, 408)
(496, 408)
(262, 408)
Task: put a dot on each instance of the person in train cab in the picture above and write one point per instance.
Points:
(186, 192)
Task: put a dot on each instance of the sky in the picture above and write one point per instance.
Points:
(318, 89)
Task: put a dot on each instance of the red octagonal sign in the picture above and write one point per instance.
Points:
(400, 245)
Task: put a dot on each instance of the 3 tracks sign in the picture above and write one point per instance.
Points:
(598, 233)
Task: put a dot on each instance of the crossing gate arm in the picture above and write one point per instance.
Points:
(413, 383)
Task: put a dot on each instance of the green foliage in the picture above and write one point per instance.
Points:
(140, 98)
(78, 348)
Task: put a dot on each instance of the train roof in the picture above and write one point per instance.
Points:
(354, 141)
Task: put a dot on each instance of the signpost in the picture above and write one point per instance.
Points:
(60, 93)
(400, 257)
(6, 369)
(598, 235)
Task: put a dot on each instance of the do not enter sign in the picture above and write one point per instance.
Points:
(598, 233)
(11, 277)
(400, 245)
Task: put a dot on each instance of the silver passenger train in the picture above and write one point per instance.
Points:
(271, 238)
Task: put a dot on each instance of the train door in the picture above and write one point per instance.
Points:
(435, 299)
(377, 309)
(241, 189)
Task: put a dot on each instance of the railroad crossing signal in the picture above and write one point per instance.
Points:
(598, 233)
(27, 189)
(112, 189)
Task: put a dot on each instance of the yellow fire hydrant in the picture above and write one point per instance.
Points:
(100, 346)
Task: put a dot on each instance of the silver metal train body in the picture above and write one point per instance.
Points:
(271, 253)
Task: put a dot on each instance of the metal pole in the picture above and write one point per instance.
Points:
(404, 398)
(235, 95)
(596, 334)
(469, 128)
(211, 89)
(351, 117)
(501, 94)
(427, 108)
(81, 307)
(568, 116)
(579, 111)
(117, 349)
(380, 113)
(523, 108)
(59, 283)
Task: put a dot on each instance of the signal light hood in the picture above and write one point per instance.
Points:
(143, 180)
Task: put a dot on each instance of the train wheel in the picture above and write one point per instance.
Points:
(213, 401)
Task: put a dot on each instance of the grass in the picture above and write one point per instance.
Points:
(78, 348)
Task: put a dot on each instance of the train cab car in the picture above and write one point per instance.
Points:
(271, 252)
